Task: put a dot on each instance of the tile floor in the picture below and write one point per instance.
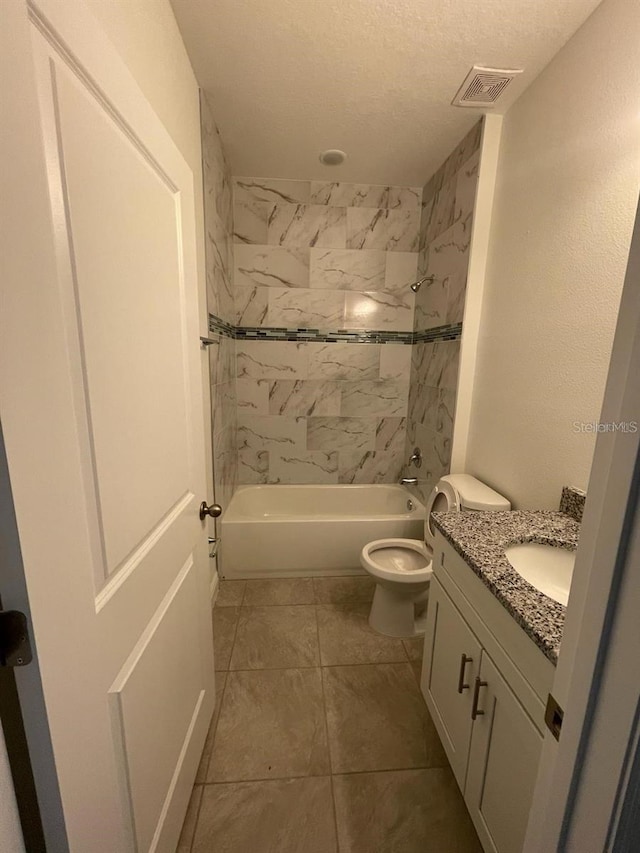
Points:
(321, 741)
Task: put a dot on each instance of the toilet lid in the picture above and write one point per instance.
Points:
(443, 498)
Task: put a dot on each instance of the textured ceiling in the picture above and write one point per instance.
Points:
(289, 78)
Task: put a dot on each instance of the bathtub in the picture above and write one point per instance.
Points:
(296, 531)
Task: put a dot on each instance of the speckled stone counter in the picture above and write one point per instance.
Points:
(481, 537)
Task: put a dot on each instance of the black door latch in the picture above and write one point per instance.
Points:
(15, 648)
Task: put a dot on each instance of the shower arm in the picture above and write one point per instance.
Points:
(418, 284)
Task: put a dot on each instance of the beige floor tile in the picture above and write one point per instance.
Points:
(414, 647)
(279, 591)
(377, 719)
(230, 593)
(201, 774)
(347, 590)
(406, 811)
(276, 638)
(346, 638)
(225, 620)
(271, 726)
(189, 826)
(416, 666)
(281, 816)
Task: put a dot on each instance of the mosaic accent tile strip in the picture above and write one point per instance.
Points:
(448, 332)
(572, 502)
(321, 336)
(350, 336)
(221, 327)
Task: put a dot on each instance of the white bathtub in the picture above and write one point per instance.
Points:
(294, 531)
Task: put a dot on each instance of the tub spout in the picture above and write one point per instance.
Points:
(409, 481)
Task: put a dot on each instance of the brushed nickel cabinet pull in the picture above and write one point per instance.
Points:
(464, 660)
(476, 695)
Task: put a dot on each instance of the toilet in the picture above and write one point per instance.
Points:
(402, 567)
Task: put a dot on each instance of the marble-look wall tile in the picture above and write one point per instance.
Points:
(271, 266)
(423, 405)
(271, 360)
(308, 397)
(395, 362)
(266, 432)
(379, 311)
(466, 186)
(218, 219)
(330, 434)
(364, 195)
(293, 269)
(253, 396)
(372, 466)
(253, 466)
(382, 399)
(392, 230)
(348, 269)
(347, 361)
(401, 270)
(431, 305)
(311, 466)
(270, 191)
(250, 221)
(390, 435)
(306, 225)
(448, 203)
(251, 305)
(442, 212)
(305, 309)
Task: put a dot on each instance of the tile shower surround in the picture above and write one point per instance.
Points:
(324, 323)
(350, 252)
(448, 202)
(218, 215)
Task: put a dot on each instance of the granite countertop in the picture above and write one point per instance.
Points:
(481, 537)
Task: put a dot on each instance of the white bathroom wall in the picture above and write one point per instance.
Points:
(567, 187)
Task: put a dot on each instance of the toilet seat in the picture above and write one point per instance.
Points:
(406, 561)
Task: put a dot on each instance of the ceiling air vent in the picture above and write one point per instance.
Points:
(483, 86)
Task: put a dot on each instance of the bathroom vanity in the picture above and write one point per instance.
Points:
(491, 645)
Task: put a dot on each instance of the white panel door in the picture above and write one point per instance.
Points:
(107, 497)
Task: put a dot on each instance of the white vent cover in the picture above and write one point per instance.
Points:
(483, 86)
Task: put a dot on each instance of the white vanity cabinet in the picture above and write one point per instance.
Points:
(485, 683)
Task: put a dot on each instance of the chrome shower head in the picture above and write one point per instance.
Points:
(418, 284)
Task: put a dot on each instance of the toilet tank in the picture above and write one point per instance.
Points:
(475, 495)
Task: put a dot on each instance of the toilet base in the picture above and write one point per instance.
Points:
(399, 612)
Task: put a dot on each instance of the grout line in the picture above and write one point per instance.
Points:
(326, 733)
(195, 823)
(317, 666)
(324, 775)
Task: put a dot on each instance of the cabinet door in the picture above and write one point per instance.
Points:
(448, 638)
(503, 763)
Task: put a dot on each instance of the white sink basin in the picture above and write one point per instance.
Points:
(546, 567)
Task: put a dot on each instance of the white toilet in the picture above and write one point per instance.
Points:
(402, 567)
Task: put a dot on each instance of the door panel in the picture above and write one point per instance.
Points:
(106, 450)
(448, 638)
(503, 764)
(154, 715)
(123, 230)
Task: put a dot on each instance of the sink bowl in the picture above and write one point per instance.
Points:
(547, 568)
